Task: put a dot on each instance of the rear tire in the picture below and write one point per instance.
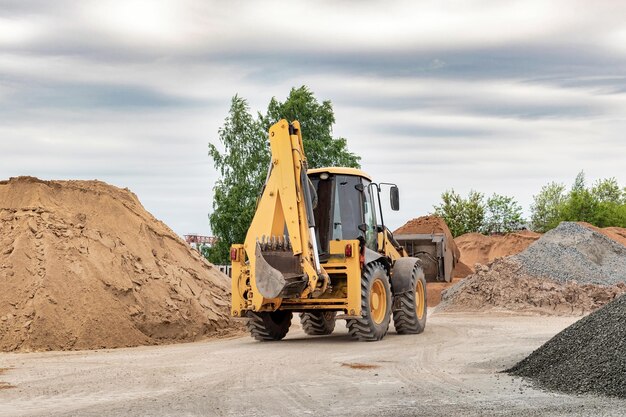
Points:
(267, 326)
(409, 308)
(318, 323)
(375, 305)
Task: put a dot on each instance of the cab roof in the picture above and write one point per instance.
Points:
(340, 171)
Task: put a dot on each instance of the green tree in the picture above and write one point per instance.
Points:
(316, 121)
(503, 215)
(580, 204)
(462, 215)
(243, 162)
(241, 165)
(611, 204)
(602, 205)
(545, 208)
(579, 182)
(607, 191)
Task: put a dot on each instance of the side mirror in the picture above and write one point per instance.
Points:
(394, 194)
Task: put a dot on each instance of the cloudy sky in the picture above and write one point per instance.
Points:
(486, 95)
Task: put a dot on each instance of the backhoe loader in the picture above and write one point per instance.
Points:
(318, 246)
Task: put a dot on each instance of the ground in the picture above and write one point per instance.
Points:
(451, 369)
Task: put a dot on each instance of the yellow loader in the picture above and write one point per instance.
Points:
(317, 246)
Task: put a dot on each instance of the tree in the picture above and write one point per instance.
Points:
(503, 215)
(607, 191)
(316, 121)
(241, 166)
(579, 182)
(545, 208)
(461, 215)
(580, 204)
(245, 158)
(474, 209)
(602, 205)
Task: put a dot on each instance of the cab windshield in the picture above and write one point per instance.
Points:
(344, 202)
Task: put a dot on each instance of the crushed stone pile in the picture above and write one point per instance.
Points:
(573, 252)
(570, 270)
(476, 248)
(83, 266)
(587, 357)
(617, 234)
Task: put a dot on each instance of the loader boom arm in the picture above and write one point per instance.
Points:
(282, 231)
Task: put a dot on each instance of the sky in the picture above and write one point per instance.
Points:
(499, 97)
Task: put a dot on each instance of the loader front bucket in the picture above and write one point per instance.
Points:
(434, 250)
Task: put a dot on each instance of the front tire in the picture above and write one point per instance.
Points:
(318, 323)
(375, 305)
(266, 326)
(409, 308)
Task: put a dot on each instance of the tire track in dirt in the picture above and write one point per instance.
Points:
(428, 360)
(5, 385)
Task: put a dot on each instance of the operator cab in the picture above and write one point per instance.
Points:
(345, 207)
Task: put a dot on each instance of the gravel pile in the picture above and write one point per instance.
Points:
(587, 357)
(572, 252)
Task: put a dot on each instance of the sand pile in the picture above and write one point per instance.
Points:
(587, 357)
(83, 265)
(477, 248)
(570, 270)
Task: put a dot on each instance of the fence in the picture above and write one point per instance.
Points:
(225, 269)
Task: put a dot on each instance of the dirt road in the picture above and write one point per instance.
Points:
(450, 370)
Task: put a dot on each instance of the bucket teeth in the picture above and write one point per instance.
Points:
(274, 243)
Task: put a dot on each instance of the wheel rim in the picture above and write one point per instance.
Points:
(378, 301)
(419, 300)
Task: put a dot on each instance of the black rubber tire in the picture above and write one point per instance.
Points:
(267, 326)
(318, 323)
(405, 317)
(365, 328)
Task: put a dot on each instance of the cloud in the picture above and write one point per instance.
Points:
(498, 97)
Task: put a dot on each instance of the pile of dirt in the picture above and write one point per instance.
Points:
(476, 248)
(587, 357)
(506, 286)
(83, 265)
(428, 225)
(570, 270)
